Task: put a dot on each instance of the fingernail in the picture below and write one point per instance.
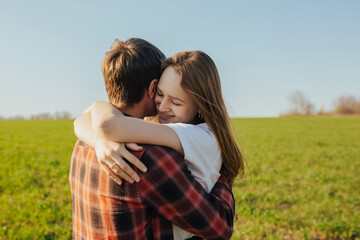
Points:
(143, 169)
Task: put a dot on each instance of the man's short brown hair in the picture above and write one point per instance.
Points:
(128, 69)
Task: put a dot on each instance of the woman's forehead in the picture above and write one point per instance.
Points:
(170, 84)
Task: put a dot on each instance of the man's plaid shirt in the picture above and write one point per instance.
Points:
(166, 193)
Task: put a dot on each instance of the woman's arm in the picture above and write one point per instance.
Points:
(109, 154)
(109, 123)
(84, 130)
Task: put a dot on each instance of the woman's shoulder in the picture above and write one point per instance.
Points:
(204, 126)
(193, 133)
(190, 127)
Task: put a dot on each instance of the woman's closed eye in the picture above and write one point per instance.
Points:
(176, 103)
(159, 93)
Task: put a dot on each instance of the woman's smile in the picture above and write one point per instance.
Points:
(165, 116)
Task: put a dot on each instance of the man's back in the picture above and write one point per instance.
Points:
(101, 207)
(104, 209)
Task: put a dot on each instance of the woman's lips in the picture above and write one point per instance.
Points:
(165, 116)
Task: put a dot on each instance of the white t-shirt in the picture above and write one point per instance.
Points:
(202, 156)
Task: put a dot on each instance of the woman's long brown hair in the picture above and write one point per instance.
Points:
(200, 78)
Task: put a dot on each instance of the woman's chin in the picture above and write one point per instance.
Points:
(167, 120)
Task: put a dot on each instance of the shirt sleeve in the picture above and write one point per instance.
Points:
(195, 139)
(169, 187)
(201, 152)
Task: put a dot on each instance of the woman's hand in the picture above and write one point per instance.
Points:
(110, 156)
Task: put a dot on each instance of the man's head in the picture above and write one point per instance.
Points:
(129, 69)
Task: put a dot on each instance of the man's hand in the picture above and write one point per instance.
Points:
(111, 157)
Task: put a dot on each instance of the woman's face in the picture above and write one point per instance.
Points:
(172, 102)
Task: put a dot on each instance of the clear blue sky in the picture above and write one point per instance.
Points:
(51, 51)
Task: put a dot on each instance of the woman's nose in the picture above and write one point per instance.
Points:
(163, 106)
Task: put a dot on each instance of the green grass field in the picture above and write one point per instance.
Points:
(305, 181)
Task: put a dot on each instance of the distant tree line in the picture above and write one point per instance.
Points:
(41, 116)
(302, 106)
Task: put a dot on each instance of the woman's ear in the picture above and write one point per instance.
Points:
(152, 88)
(200, 115)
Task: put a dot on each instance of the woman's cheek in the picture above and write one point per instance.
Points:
(185, 114)
(191, 113)
(157, 99)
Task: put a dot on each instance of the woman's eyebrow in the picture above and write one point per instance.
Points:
(178, 99)
(172, 96)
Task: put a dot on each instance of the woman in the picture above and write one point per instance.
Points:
(190, 103)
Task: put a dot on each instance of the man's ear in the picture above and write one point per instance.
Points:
(152, 88)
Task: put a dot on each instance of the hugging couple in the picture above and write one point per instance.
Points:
(176, 184)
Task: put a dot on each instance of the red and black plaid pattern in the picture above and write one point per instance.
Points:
(166, 193)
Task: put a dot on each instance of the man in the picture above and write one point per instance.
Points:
(166, 193)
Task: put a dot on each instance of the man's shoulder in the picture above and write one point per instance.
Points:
(81, 149)
(156, 153)
(159, 150)
(82, 145)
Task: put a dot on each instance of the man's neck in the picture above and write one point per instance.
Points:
(131, 112)
(141, 109)
(134, 111)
